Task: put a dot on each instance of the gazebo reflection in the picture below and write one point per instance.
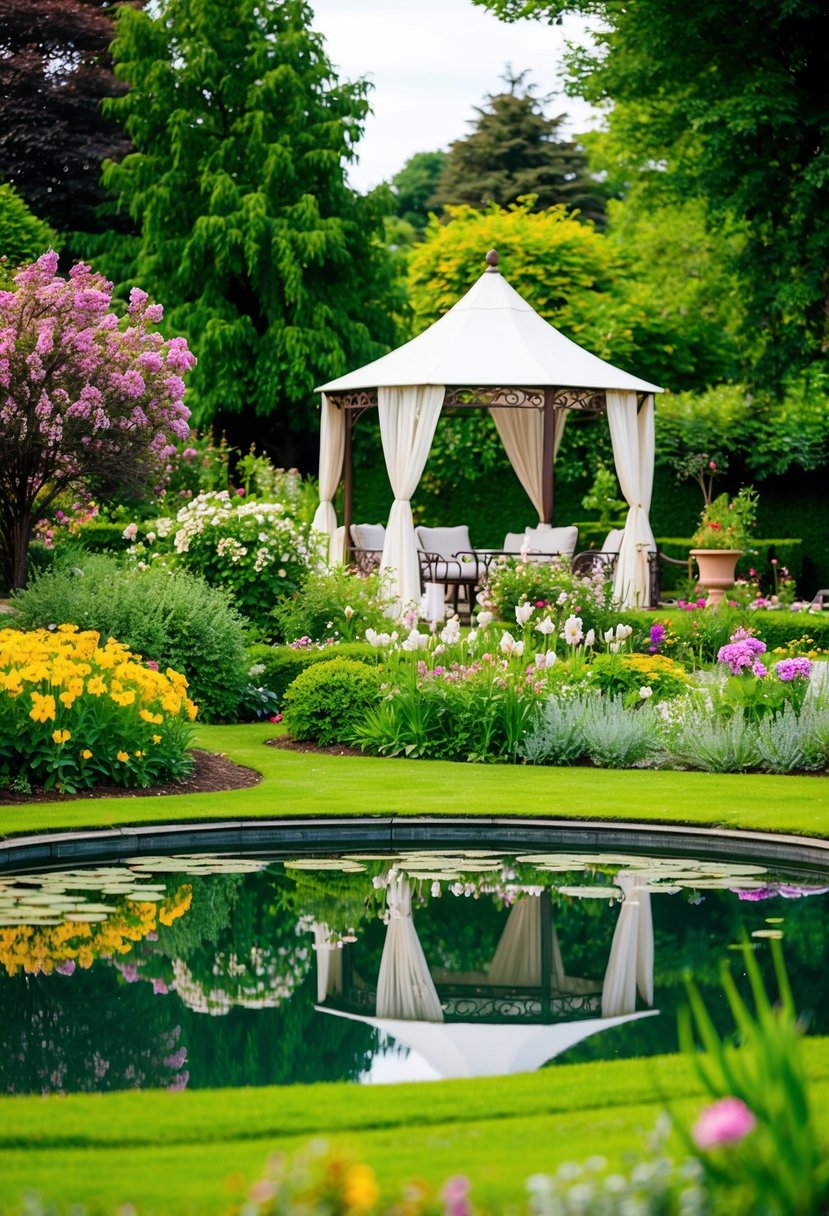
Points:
(521, 1012)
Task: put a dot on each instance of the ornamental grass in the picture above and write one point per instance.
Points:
(74, 714)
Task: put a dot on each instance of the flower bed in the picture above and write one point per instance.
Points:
(74, 714)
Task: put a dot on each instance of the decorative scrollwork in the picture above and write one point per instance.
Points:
(484, 398)
(588, 400)
(481, 1004)
(360, 399)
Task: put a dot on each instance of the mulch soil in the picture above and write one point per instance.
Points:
(212, 774)
(307, 745)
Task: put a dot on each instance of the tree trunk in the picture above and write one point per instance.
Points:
(19, 556)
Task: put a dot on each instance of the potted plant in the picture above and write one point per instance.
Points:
(723, 533)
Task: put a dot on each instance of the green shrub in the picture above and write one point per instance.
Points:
(333, 604)
(174, 619)
(278, 666)
(625, 675)
(101, 536)
(327, 702)
(553, 588)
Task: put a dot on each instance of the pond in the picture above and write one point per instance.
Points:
(372, 965)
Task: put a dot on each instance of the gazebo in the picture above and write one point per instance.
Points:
(522, 1012)
(490, 351)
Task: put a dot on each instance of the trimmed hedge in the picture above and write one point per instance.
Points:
(100, 536)
(328, 701)
(776, 628)
(282, 664)
(788, 551)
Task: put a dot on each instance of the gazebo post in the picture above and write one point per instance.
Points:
(348, 483)
(548, 453)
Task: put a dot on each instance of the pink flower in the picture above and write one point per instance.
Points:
(726, 1122)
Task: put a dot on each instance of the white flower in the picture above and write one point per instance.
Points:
(562, 599)
(472, 637)
(523, 612)
(590, 637)
(546, 626)
(573, 630)
(608, 635)
(546, 660)
(415, 641)
(484, 619)
(509, 646)
(378, 882)
(645, 692)
(257, 669)
(614, 647)
(435, 890)
(348, 612)
(623, 632)
(373, 638)
(130, 532)
(451, 633)
(282, 572)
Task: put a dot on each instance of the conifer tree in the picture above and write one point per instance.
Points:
(274, 268)
(513, 150)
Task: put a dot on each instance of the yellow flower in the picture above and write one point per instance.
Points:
(138, 755)
(96, 686)
(192, 709)
(61, 736)
(156, 738)
(43, 708)
(360, 1189)
(123, 757)
(86, 754)
(68, 699)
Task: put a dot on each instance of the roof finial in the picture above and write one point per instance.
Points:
(492, 262)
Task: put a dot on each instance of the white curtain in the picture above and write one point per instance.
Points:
(405, 988)
(332, 447)
(632, 435)
(517, 958)
(522, 434)
(329, 963)
(408, 417)
(630, 965)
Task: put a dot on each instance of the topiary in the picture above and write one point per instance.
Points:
(278, 666)
(173, 619)
(327, 702)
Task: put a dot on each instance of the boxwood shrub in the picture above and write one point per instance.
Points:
(328, 701)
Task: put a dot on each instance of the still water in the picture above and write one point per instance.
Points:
(214, 970)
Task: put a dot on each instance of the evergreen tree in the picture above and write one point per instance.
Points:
(54, 73)
(515, 150)
(275, 268)
(23, 237)
(414, 187)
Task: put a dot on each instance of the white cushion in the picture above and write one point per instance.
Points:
(514, 542)
(613, 541)
(454, 571)
(552, 540)
(368, 536)
(445, 541)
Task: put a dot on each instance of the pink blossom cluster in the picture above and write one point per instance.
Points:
(743, 654)
(793, 669)
(80, 389)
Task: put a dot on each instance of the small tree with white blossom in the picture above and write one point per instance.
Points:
(85, 396)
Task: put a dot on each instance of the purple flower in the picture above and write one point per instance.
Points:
(742, 652)
(726, 1122)
(790, 669)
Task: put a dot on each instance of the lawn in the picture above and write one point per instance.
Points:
(302, 784)
(179, 1151)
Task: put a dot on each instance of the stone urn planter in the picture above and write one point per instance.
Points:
(716, 572)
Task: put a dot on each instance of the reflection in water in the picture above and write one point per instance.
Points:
(211, 970)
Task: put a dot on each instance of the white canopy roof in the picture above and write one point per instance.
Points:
(475, 1049)
(491, 337)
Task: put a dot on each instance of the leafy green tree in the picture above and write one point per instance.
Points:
(23, 237)
(414, 187)
(513, 150)
(732, 106)
(276, 268)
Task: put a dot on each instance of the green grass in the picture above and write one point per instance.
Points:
(301, 784)
(177, 1151)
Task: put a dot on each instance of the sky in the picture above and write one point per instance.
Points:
(431, 62)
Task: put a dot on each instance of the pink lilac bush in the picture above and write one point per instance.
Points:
(85, 396)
